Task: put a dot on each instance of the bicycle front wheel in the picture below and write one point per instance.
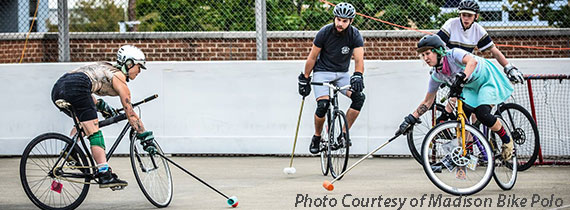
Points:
(505, 173)
(339, 144)
(418, 132)
(48, 180)
(446, 165)
(323, 148)
(152, 173)
(524, 133)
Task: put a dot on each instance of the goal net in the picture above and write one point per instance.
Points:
(547, 98)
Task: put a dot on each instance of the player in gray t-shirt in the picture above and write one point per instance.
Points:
(329, 58)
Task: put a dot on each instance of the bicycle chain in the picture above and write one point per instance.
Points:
(70, 180)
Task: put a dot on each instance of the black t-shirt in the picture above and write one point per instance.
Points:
(336, 49)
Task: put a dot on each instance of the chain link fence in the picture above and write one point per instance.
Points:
(226, 29)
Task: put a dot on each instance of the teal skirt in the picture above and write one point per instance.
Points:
(488, 86)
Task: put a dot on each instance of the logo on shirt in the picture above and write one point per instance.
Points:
(344, 50)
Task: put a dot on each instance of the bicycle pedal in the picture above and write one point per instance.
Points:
(117, 188)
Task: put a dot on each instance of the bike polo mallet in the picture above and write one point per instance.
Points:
(329, 185)
(291, 169)
(232, 201)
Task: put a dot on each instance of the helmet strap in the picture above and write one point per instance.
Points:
(440, 53)
(125, 68)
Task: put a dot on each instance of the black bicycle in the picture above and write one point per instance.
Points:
(56, 172)
(335, 141)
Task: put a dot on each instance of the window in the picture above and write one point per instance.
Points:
(491, 16)
(515, 16)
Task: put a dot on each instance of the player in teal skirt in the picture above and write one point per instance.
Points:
(482, 85)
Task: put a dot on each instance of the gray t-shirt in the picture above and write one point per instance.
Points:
(455, 63)
(336, 49)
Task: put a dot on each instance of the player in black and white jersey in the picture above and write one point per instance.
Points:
(463, 32)
(329, 59)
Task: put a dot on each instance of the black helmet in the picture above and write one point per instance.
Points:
(431, 41)
(344, 10)
(468, 6)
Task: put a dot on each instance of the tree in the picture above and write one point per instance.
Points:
(282, 15)
(95, 16)
(196, 15)
(544, 9)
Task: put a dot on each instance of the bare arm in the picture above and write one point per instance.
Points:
(120, 85)
(358, 54)
(499, 56)
(470, 64)
(311, 60)
(94, 99)
(427, 102)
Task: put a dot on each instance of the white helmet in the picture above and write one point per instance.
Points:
(129, 53)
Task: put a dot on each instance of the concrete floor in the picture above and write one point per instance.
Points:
(259, 183)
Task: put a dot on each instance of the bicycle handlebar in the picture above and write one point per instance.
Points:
(123, 116)
(331, 85)
(150, 98)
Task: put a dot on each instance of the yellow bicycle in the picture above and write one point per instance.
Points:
(458, 158)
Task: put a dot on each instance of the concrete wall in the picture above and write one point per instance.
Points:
(245, 107)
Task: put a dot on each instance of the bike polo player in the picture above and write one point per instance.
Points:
(329, 58)
(463, 32)
(481, 83)
(103, 79)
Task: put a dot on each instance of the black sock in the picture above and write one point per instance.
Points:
(503, 134)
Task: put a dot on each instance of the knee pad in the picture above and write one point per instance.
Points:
(357, 100)
(96, 139)
(484, 115)
(322, 107)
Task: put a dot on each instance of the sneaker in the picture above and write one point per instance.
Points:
(315, 144)
(507, 152)
(340, 139)
(109, 179)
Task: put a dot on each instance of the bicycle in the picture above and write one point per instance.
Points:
(335, 138)
(451, 148)
(524, 130)
(56, 172)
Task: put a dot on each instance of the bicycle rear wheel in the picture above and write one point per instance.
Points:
(152, 173)
(505, 173)
(62, 188)
(524, 133)
(447, 167)
(418, 132)
(338, 144)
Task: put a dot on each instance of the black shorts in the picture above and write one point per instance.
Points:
(75, 88)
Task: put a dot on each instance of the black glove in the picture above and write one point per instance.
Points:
(357, 82)
(457, 86)
(147, 141)
(106, 110)
(304, 85)
(409, 121)
(445, 116)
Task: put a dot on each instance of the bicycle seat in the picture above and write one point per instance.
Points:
(63, 104)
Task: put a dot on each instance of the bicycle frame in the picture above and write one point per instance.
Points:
(79, 137)
(333, 97)
(461, 118)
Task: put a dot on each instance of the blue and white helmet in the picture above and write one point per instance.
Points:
(344, 10)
